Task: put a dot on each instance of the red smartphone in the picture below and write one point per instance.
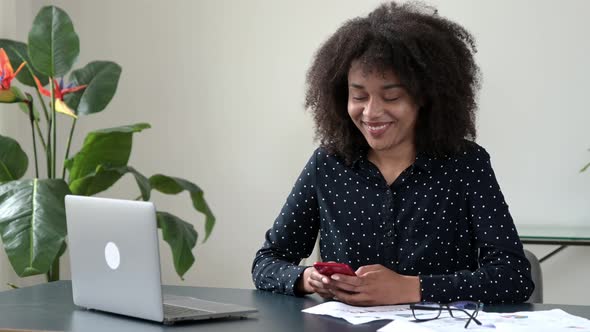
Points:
(329, 268)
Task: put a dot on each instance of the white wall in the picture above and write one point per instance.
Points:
(222, 83)
(12, 124)
(7, 30)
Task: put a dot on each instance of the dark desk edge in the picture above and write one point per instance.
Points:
(555, 241)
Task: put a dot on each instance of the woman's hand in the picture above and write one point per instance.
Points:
(314, 282)
(373, 285)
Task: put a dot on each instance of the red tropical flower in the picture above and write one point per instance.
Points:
(59, 92)
(7, 74)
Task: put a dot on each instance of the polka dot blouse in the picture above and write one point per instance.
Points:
(443, 219)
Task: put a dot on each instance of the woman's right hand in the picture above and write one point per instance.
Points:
(314, 282)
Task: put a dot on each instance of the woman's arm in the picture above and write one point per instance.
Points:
(504, 274)
(291, 237)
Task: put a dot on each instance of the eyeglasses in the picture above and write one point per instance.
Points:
(461, 310)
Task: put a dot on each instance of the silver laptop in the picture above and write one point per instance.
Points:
(115, 263)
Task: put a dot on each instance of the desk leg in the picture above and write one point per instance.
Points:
(544, 258)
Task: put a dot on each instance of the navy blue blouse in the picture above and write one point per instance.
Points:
(443, 219)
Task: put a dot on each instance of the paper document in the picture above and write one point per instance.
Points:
(359, 315)
(539, 321)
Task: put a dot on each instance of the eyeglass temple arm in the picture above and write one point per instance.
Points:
(471, 317)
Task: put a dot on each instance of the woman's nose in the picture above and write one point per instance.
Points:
(373, 108)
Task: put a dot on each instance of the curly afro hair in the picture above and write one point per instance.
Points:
(433, 58)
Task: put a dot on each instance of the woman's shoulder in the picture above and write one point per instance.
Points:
(469, 150)
(323, 153)
(472, 150)
(326, 158)
(469, 153)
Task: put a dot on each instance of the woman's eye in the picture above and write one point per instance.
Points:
(359, 98)
(391, 99)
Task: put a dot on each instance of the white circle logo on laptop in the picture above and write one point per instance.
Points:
(111, 255)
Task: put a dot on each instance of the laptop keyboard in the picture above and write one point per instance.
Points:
(176, 311)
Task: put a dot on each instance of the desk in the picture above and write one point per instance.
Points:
(49, 306)
(561, 235)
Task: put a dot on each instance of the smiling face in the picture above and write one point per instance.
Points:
(382, 109)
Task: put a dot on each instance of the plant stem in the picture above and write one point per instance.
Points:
(22, 58)
(43, 105)
(40, 135)
(63, 172)
(53, 129)
(48, 149)
(32, 119)
(53, 273)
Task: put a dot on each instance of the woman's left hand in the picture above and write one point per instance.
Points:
(374, 285)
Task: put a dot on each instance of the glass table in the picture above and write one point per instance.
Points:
(561, 235)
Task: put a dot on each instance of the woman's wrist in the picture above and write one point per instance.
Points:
(303, 286)
(412, 288)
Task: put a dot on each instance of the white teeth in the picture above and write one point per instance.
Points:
(378, 127)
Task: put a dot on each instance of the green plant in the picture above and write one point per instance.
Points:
(32, 216)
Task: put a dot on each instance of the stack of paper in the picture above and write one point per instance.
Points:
(403, 320)
(359, 315)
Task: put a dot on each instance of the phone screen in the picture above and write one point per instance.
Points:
(329, 268)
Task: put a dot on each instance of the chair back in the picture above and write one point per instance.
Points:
(537, 275)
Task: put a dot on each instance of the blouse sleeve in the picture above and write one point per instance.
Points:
(291, 237)
(504, 273)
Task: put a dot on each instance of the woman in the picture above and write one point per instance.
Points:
(397, 189)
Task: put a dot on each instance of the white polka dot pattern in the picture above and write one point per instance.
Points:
(443, 219)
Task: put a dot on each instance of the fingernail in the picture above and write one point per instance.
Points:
(325, 280)
(335, 277)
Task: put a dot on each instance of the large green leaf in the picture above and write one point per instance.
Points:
(13, 160)
(107, 147)
(172, 185)
(53, 44)
(182, 237)
(33, 223)
(104, 176)
(102, 78)
(17, 51)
